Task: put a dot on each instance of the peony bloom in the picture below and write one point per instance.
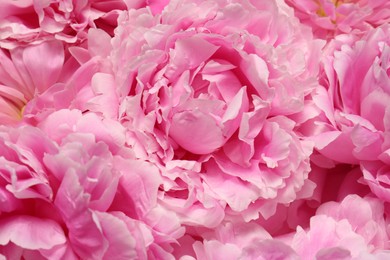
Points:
(365, 215)
(206, 93)
(328, 238)
(328, 18)
(355, 228)
(27, 21)
(194, 129)
(352, 123)
(81, 190)
(25, 190)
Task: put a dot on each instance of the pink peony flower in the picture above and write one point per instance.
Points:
(23, 175)
(351, 125)
(328, 18)
(207, 96)
(79, 194)
(25, 189)
(328, 238)
(27, 21)
(352, 229)
(194, 129)
(365, 215)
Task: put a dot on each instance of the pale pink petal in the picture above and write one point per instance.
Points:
(268, 249)
(31, 232)
(237, 193)
(214, 249)
(232, 117)
(139, 183)
(99, 43)
(121, 240)
(206, 138)
(106, 100)
(257, 72)
(188, 54)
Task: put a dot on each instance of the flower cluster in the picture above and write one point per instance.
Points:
(194, 129)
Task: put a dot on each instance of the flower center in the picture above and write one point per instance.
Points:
(12, 105)
(321, 11)
(337, 3)
(21, 112)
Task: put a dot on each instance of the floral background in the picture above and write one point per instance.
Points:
(194, 129)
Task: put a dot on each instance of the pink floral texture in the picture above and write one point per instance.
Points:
(331, 17)
(235, 240)
(352, 229)
(262, 250)
(60, 193)
(31, 21)
(352, 123)
(194, 129)
(232, 81)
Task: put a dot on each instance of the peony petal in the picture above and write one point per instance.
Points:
(269, 249)
(237, 193)
(44, 63)
(196, 132)
(236, 107)
(336, 145)
(140, 181)
(31, 232)
(257, 72)
(106, 101)
(122, 244)
(373, 107)
(333, 253)
(188, 54)
(214, 249)
(99, 43)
